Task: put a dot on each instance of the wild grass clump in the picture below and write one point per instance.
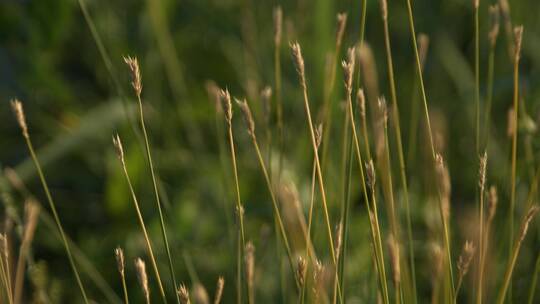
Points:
(320, 203)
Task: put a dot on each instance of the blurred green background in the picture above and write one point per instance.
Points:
(66, 65)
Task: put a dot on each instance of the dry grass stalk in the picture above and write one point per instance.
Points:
(5, 268)
(510, 123)
(133, 65)
(120, 153)
(299, 62)
(464, 262)
(17, 108)
(515, 252)
(120, 263)
(481, 254)
(140, 268)
(183, 294)
(518, 34)
(227, 109)
(219, 290)
(32, 211)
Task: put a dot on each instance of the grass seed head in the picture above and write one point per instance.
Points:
(219, 290)
(494, 16)
(393, 248)
(119, 255)
(348, 70)
(183, 294)
(384, 9)
(341, 24)
(136, 81)
(518, 36)
(248, 117)
(361, 100)
(119, 148)
(492, 202)
(371, 175)
(250, 264)
(528, 218)
(482, 172)
(17, 108)
(423, 46)
(465, 258)
(299, 62)
(301, 271)
(140, 267)
(278, 25)
(200, 295)
(226, 104)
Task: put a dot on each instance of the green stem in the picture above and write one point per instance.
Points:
(56, 217)
(158, 203)
(430, 136)
(145, 233)
(397, 131)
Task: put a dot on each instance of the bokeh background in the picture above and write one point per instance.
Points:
(63, 59)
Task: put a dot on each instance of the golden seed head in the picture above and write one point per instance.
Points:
(510, 122)
(528, 218)
(383, 109)
(3, 245)
(226, 104)
(339, 233)
(266, 99)
(492, 202)
(341, 24)
(136, 82)
(384, 9)
(17, 108)
(219, 290)
(494, 16)
(465, 258)
(476, 4)
(14, 179)
(119, 148)
(250, 264)
(200, 295)
(348, 69)
(318, 134)
(445, 186)
(299, 61)
(301, 271)
(278, 25)
(370, 174)
(248, 117)
(361, 100)
(140, 267)
(119, 255)
(482, 172)
(393, 248)
(518, 36)
(183, 293)
(436, 254)
(423, 46)
(31, 215)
